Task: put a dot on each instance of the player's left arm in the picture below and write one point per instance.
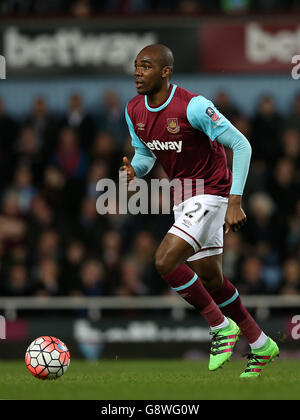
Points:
(235, 217)
(203, 115)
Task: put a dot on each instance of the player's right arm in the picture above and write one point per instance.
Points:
(143, 159)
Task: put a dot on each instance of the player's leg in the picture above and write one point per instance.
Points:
(170, 263)
(197, 219)
(225, 294)
(170, 258)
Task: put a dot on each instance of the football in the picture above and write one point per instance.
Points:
(47, 357)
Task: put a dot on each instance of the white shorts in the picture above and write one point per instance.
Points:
(199, 221)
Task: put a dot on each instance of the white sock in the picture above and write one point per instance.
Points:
(259, 342)
(223, 324)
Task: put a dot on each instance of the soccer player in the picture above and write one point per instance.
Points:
(187, 135)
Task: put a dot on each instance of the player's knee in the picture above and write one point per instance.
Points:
(164, 263)
(213, 281)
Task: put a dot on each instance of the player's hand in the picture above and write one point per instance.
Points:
(235, 217)
(128, 168)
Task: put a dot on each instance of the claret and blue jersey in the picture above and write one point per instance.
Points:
(181, 134)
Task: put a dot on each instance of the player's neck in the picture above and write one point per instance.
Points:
(160, 96)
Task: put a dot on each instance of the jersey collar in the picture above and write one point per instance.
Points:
(166, 103)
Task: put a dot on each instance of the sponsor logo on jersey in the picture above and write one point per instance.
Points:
(212, 114)
(173, 125)
(165, 145)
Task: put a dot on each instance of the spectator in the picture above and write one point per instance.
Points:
(91, 227)
(92, 278)
(143, 253)
(48, 245)
(131, 284)
(285, 186)
(233, 253)
(54, 190)
(266, 130)
(235, 6)
(293, 119)
(12, 224)
(258, 178)
(44, 125)
(24, 188)
(80, 121)
(269, 5)
(69, 157)
(81, 9)
(74, 257)
(259, 227)
(98, 170)
(105, 148)
(27, 152)
(291, 146)
(133, 6)
(225, 105)
(46, 278)
(111, 118)
(251, 277)
(293, 235)
(17, 283)
(188, 7)
(41, 214)
(290, 277)
(111, 252)
(9, 129)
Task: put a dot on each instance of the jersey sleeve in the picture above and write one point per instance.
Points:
(142, 162)
(143, 159)
(135, 141)
(204, 116)
(242, 150)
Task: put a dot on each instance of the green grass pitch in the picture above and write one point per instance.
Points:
(151, 380)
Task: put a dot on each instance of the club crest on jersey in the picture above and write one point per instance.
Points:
(173, 125)
(212, 114)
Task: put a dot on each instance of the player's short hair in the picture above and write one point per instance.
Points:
(164, 53)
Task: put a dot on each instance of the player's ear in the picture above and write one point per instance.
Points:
(166, 72)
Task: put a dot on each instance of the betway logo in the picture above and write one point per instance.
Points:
(68, 47)
(168, 145)
(263, 46)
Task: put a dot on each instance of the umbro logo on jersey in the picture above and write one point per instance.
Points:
(166, 145)
(141, 126)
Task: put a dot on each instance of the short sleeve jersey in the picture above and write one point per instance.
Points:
(181, 134)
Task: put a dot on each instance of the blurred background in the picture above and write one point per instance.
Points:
(69, 75)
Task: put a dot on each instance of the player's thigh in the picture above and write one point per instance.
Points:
(209, 270)
(199, 220)
(171, 253)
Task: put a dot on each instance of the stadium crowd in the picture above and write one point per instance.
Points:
(53, 242)
(87, 8)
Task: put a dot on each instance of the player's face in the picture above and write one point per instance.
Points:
(148, 74)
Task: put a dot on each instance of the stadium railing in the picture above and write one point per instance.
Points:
(11, 305)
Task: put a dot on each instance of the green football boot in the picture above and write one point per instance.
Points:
(260, 358)
(222, 345)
